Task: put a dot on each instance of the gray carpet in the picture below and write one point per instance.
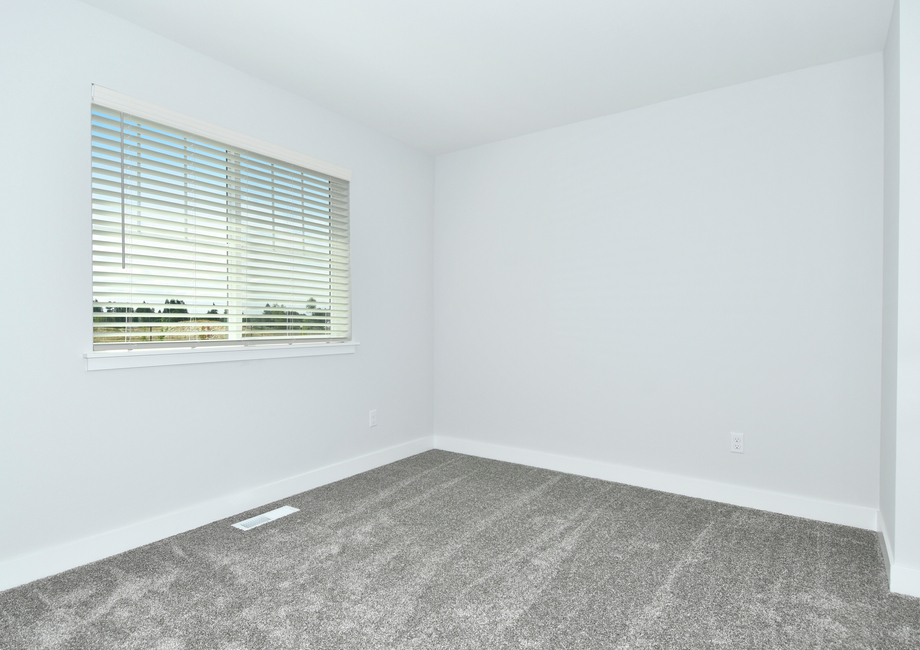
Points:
(448, 551)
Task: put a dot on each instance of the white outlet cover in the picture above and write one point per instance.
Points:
(737, 443)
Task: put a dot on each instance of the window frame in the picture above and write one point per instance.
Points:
(190, 351)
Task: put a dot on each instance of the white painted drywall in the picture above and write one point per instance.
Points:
(450, 74)
(83, 452)
(888, 448)
(633, 288)
(907, 532)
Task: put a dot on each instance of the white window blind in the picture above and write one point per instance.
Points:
(200, 242)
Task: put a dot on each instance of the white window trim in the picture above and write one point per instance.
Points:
(147, 357)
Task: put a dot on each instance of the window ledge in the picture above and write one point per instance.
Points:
(141, 358)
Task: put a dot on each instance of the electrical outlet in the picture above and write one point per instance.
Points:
(737, 445)
(372, 418)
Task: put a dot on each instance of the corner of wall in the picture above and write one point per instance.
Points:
(884, 541)
(787, 504)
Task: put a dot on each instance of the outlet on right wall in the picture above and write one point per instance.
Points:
(631, 289)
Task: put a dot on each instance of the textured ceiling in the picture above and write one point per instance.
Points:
(446, 75)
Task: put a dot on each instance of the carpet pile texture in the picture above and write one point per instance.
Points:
(443, 550)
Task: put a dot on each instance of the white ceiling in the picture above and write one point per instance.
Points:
(443, 75)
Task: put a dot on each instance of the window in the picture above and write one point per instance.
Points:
(206, 237)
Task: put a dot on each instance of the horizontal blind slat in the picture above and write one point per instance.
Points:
(154, 211)
(167, 247)
(143, 156)
(178, 187)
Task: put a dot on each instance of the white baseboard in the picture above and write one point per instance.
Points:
(884, 540)
(46, 562)
(787, 504)
(901, 579)
(904, 580)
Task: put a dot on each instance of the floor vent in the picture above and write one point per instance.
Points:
(266, 517)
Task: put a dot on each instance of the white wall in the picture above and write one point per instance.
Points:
(905, 576)
(900, 432)
(888, 448)
(82, 452)
(631, 289)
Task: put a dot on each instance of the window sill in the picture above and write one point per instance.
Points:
(116, 359)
